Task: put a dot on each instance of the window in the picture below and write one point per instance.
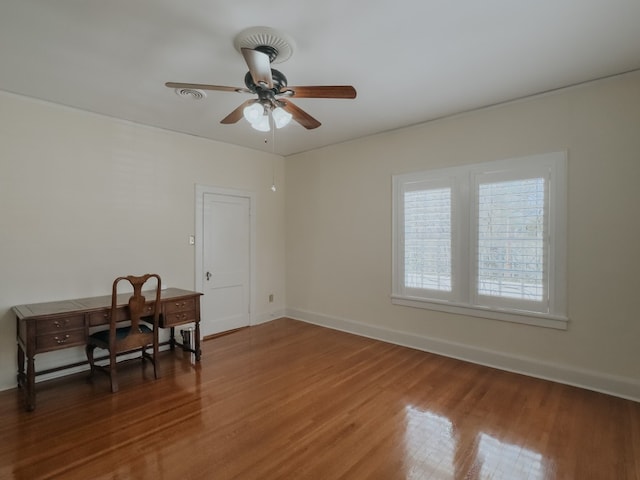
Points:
(485, 240)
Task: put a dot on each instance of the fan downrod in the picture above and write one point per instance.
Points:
(268, 50)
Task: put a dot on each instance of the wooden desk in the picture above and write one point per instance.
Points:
(45, 327)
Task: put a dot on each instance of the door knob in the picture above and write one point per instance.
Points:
(208, 275)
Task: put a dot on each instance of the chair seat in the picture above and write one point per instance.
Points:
(122, 332)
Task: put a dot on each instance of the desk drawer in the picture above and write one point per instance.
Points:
(178, 318)
(102, 317)
(180, 306)
(98, 318)
(62, 339)
(62, 324)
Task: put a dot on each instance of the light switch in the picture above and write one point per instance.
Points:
(192, 240)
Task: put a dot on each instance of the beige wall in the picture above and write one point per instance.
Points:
(338, 219)
(85, 198)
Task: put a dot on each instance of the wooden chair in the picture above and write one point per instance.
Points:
(135, 336)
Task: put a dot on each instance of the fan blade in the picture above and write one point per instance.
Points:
(259, 66)
(329, 91)
(199, 86)
(236, 115)
(299, 115)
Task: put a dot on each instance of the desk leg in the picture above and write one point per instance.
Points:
(30, 385)
(198, 352)
(172, 340)
(26, 382)
(21, 355)
(21, 376)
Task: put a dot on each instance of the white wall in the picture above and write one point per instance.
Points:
(85, 198)
(338, 218)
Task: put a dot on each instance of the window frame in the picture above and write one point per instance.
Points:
(464, 299)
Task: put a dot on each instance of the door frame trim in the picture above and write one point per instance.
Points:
(200, 191)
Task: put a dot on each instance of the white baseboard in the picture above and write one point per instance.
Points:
(268, 316)
(623, 387)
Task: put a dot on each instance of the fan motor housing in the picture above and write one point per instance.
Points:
(277, 77)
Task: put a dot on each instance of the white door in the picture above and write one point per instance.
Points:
(226, 263)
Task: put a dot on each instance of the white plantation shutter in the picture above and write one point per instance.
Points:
(427, 237)
(511, 246)
(485, 240)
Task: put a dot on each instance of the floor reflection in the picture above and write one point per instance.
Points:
(436, 448)
(429, 445)
(503, 460)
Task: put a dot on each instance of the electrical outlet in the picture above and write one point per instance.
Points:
(192, 240)
(271, 298)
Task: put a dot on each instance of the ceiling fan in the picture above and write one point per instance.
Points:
(273, 92)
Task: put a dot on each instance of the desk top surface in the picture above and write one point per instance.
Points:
(35, 310)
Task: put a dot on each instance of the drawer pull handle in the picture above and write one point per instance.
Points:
(178, 304)
(181, 316)
(57, 323)
(62, 340)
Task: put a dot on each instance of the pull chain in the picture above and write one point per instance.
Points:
(273, 150)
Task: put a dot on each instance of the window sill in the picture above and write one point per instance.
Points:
(527, 318)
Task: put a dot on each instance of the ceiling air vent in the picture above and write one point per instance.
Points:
(191, 93)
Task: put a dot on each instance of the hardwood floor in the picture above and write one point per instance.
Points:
(288, 400)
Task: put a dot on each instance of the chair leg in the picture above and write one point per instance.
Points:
(152, 358)
(156, 367)
(89, 349)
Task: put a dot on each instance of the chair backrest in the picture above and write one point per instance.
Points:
(139, 308)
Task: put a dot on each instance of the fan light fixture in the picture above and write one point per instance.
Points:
(258, 116)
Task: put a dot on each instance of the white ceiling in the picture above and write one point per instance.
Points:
(410, 60)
